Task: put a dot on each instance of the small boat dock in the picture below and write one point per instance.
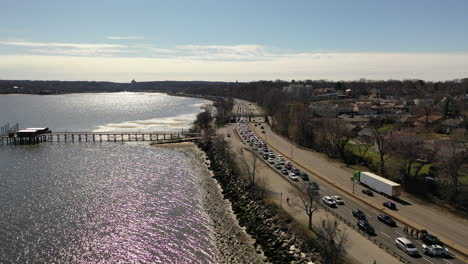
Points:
(39, 135)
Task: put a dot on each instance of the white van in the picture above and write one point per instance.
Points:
(407, 246)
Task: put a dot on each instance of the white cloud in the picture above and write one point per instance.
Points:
(70, 49)
(55, 44)
(80, 52)
(125, 38)
(226, 52)
(333, 66)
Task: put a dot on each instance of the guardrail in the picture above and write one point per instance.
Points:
(452, 245)
(336, 215)
(380, 245)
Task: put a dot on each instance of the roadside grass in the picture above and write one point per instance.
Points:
(373, 160)
(464, 176)
(371, 157)
(424, 170)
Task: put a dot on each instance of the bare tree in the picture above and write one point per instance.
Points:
(333, 242)
(261, 186)
(411, 153)
(250, 165)
(363, 148)
(339, 136)
(428, 109)
(382, 141)
(306, 198)
(297, 121)
(322, 139)
(453, 157)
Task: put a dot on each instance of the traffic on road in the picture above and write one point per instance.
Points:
(371, 223)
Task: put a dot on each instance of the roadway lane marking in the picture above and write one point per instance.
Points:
(385, 234)
(447, 261)
(428, 260)
(400, 234)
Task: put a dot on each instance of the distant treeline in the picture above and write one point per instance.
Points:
(253, 91)
(60, 87)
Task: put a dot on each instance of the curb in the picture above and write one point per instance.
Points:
(463, 254)
(326, 208)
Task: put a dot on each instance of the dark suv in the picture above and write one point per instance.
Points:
(296, 171)
(430, 239)
(366, 227)
(359, 214)
(386, 219)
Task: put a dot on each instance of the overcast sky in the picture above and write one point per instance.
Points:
(120, 40)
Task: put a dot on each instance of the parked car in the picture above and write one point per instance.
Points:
(359, 214)
(278, 166)
(281, 161)
(407, 246)
(293, 177)
(265, 156)
(435, 250)
(288, 165)
(271, 160)
(390, 205)
(386, 219)
(304, 176)
(366, 227)
(338, 199)
(368, 192)
(284, 172)
(328, 200)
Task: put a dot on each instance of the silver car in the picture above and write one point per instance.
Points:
(407, 246)
(338, 199)
(328, 200)
(435, 250)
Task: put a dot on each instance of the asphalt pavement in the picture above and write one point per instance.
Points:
(317, 164)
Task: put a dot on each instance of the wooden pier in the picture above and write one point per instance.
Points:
(99, 137)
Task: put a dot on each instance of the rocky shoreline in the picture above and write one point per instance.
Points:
(262, 223)
(232, 243)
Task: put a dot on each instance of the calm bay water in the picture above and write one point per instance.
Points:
(101, 202)
(101, 111)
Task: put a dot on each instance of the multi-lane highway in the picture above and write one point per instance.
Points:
(336, 175)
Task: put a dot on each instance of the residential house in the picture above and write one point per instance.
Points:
(432, 120)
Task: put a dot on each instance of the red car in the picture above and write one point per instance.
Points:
(288, 165)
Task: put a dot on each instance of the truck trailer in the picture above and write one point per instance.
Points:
(377, 183)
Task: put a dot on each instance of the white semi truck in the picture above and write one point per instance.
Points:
(377, 183)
